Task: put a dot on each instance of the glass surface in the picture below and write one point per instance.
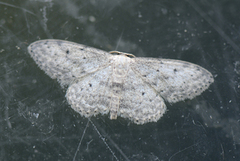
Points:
(38, 124)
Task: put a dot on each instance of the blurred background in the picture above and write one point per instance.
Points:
(38, 124)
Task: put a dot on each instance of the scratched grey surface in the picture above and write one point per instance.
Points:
(38, 124)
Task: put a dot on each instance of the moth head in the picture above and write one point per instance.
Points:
(121, 53)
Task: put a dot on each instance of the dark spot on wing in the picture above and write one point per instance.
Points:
(83, 71)
(84, 57)
(165, 77)
(67, 52)
(143, 93)
(115, 84)
(90, 85)
(175, 70)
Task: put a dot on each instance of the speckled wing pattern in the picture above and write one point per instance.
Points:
(174, 80)
(133, 88)
(67, 61)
